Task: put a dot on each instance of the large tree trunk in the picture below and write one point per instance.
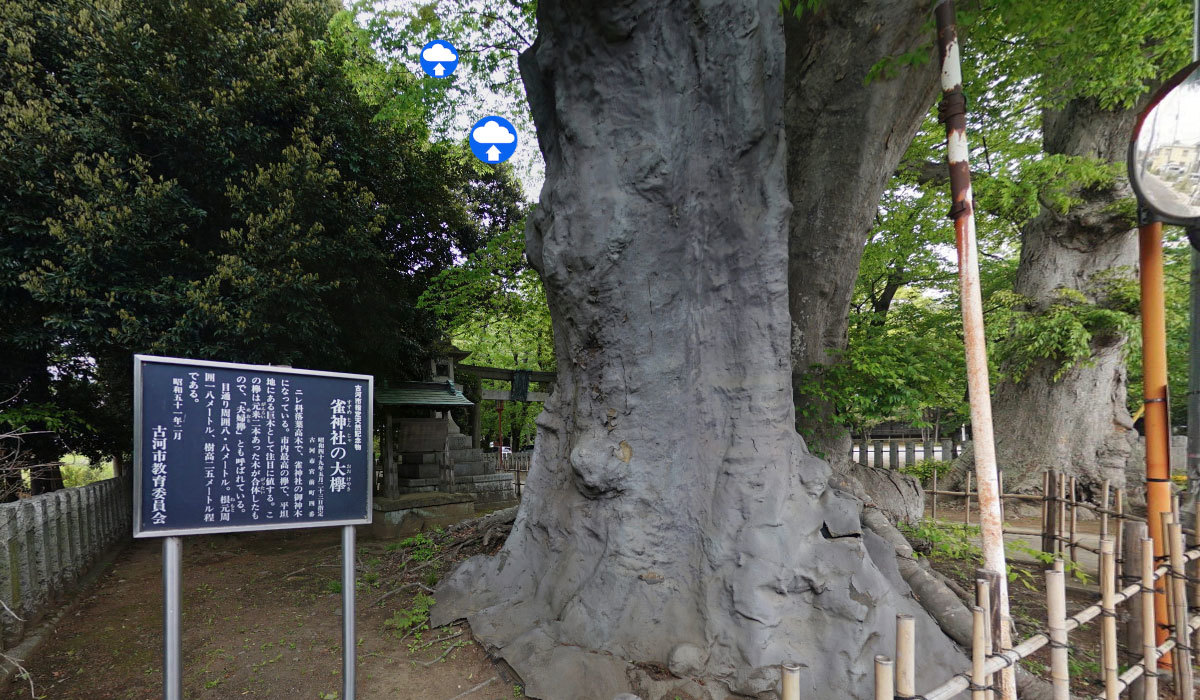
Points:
(845, 140)
(1078, 423)
(673, 515)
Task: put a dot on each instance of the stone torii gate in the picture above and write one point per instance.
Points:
(518, 381)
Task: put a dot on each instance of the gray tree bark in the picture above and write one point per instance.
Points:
(845, 140)
(1079, 423)
(673, 516)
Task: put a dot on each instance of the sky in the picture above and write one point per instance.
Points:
(1176, 120)
(457, 123)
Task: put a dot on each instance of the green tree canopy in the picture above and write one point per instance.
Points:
(494, 306)
(238, 181)
(1024, 62)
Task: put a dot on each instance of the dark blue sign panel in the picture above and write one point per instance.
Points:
(223, 447)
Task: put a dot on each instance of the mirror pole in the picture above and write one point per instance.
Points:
(1193, 395)
(1154, 388)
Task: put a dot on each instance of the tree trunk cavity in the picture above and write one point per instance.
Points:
(1078, 423)
(844, 141)
(673, 516)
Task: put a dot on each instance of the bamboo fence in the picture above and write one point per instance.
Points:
(1140, 680)
(1156, 655)
(1059, 531)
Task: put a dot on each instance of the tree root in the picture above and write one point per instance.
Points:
(394, 591)
(465, 693)
(444, 654)
(506, 515)
(306, 568)
(21, 671)
(483, 529)
(941, 597)
(948, 582)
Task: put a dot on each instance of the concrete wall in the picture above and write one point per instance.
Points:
(48, 542)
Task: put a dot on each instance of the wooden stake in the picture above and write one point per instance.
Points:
(1047, 528)
(967, 512)
(1168, 594)
(1195, 571)
(906, 661)
(1056, 610)
(1062, 512)
(989, 600)
(1074, 514)
(983, 599)
(883, 678)
(1119, 507)
(935, 488)
(1131, 534)
(1183, 654)
(391, 473)
(1149, 623)
(978, 654)
(1108, 620)
(1104, 507)
(790, 682)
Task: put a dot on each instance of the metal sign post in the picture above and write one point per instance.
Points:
(348, 642)
(226, 447)
(172, 613)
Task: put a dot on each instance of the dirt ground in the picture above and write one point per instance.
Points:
(261, 619)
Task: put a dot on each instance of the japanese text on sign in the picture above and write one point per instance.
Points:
(227, 447)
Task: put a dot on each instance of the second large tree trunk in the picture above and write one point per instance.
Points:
(673, 516)
(1077, 423)
(845, 139)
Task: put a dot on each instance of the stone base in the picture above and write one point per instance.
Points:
(424, 465)
(486, 488)
(416, 512)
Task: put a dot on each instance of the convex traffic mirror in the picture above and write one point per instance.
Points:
(1164, 155)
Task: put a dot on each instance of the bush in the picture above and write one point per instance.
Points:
(79, 471)
(924, 469)
(951, 540)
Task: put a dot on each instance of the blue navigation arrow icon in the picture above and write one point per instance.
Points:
(493, 139)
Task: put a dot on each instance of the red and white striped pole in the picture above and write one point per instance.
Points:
(952, 111)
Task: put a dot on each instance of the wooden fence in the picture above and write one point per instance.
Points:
(1060, 505)
(1157, 654)
(1140, 680)
(1156, 659)
(517, 463)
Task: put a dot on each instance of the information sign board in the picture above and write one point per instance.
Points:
(225, 447)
